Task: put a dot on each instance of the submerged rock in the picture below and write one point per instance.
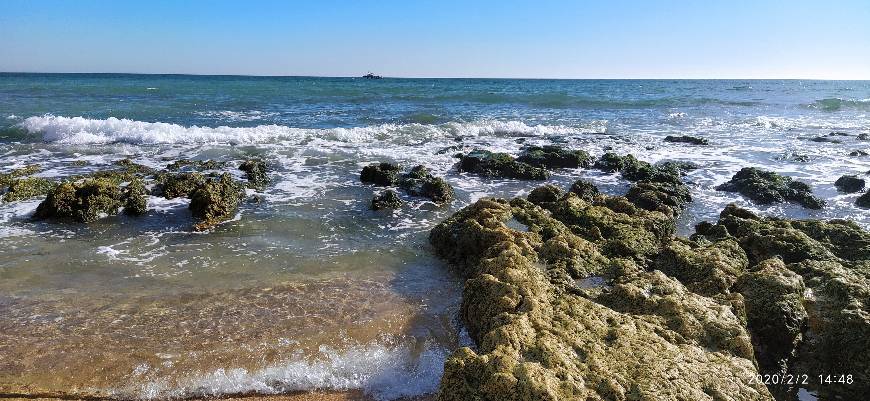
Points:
(552, 156)
(863, 137)
(825, 139)
(383, 174)
(135, 198)
(28, 187)
(849, 184)
(195, 165)
(488, 164)
(678, 167)
(84, 201)
(215, 201)
(767, 187)
(389, 199)
(863, 200)
(420, 182)
(858, 152)
(686, 139)
(255, 171)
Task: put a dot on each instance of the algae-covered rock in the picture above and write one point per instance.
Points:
(384, 174)
(546, 194)
(255, 171)
(177, 185)
(7, 178)
(767, 187)
(488, 164)
(665, 197)
(707, 269)
(584, 189)
(420, 182)
(633, 169)
(387, 200)
(215, 201)
(540, 338)
(553, 156)
(28, 187)
(84, 201)
(135, 198)
(849, 184)
(195, 165)
(863, 200)
(686, 139)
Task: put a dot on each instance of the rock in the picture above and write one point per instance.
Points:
(488, 164)
(706, 269)
(552, 156)
(863, 200)
(636, 170)
(849, 184)
(686, 139)
(135, 198)
(775, 313)
(678, 167)
(539, 336)
(215, 201)
(83, 202)
(131, 167)
(863, 137)
(389, 199)
(383, 174)
(584, 189)
(667, 198)
(766, 187)
(858, 152)
(545, 194)
(255, 171)
(28, 187)
(837, 133)
(195, 165)
(825, 139)
(7, 178)
(176, 185)
(420, 182)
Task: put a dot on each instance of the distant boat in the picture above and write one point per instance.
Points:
(372, 76)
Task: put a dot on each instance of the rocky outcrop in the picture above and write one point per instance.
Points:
(849, 184)
(389, 199)
(135, 198)
(686, 139)
(553, 156)
(383, 174)
(420, 182)
(633, 169)
(195, 165)
(215, 201)
(766, 187)
(84, 201)
(7, 178)
(863, 200)
(584, 189)
(28, 187)
(177, 185)
(255, 171)
(502, 165)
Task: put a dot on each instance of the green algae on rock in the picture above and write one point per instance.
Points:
(255, 172)
(666, 197)
(135, 198)
(195, 165)
(633, 169)
(554, 156)
(540, 338)
(584, 189)
(767, 187)
(28, 187)
(215, 201)
(389, 199)
(178, 185)
(502, 165)
(7, 178)
(383, 174)
(420, 182)
(84, 201)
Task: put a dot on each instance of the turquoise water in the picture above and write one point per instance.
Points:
(310, 289)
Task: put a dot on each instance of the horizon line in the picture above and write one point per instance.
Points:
(430, 77)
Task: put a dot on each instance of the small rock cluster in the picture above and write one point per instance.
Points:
(418, 182)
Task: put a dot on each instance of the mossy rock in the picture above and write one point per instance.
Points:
(665, 197)
(195, 165)
(389, 199)
(553, 156)
(7, 178)
(178, 185)
(135, 198)
(849, 184)
(585, 190)
(502, 165)
(255, 171)
(215, 201)
(28, 187)
(633, 169)
(383, 174)
(420, 182)
(545, 194)
(766, 187)
(84, 201)
(707, 269)
(692, 140)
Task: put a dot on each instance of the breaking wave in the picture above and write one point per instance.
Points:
(80, 130)
(836, 104)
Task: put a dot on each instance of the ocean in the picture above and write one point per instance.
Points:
(308, 288)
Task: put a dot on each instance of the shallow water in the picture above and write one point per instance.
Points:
(309, 289)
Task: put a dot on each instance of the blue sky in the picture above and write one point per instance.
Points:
(446, 38)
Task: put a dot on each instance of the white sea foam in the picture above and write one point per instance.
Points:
(80, 130)
(383, 372)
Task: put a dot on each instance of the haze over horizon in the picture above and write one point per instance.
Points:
(487, 39)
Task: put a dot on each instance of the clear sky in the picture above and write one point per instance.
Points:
(443, 38)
